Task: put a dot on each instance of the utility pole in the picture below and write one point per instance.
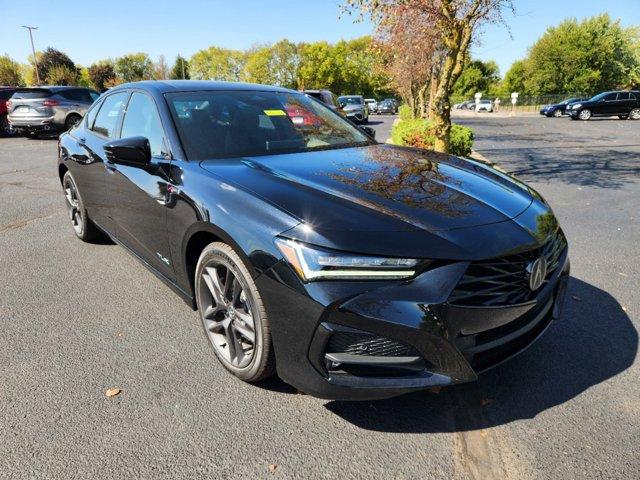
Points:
(182, 63)
(33, 49)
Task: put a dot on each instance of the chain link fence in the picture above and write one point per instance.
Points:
(526, 103)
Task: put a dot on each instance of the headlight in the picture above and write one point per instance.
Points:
(577, 105)
(312, 263)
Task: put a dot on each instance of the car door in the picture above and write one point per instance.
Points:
(139, 193)
(624, 103)
(99, 126)
(607, 106)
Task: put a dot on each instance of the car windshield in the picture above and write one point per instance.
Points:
(226, 124)
(350, 100)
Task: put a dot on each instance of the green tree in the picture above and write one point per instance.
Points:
(10, 72)
(63, 66)
(134, 67)
(62, 75)
(273, 65)
(477, 76)
(589, 56)
(101, 73)
(514, 79)
(180, 70)
(215, 63)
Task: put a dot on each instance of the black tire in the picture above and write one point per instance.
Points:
(5, 128)
(82, 225)
(71, 121)
(219, 258)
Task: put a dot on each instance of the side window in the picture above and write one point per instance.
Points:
(107, 119)
(623, 96)
(91, 115)
(610, 97)
(142, 120)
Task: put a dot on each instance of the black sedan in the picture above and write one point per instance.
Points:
(559, 109)
(355, 270)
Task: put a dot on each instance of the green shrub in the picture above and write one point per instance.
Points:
(419, 133)
(405, 112)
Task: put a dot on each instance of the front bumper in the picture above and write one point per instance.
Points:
(355, 115)
(572, 113)
(441, 343)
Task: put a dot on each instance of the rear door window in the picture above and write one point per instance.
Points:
(610, 97)
(623, 96)
(108, 117)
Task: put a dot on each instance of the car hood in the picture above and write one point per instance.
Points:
(379, 188)
(350, 107)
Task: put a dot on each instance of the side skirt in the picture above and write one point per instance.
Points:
(186, 297)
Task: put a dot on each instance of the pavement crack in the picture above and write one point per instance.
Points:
(17, 224)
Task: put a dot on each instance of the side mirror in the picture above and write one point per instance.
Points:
(134, 151)
(368, 130)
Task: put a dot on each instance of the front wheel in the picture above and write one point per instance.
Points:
(233, 315)
(585, 114)
(634, 114)
(83, 227)
(557, 113)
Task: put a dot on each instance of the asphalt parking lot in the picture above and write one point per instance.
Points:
(78, 319)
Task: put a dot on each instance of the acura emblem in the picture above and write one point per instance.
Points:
(537, 271)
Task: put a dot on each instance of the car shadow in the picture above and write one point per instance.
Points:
(592, 342)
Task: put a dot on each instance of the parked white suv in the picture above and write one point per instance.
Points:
(484, 105)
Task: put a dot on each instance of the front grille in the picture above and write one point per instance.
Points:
(363, 343)
(505, 281)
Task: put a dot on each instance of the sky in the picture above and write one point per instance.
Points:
(89, 31)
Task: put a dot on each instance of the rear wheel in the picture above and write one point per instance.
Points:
(83, 227)
(71, 121)
(233, 315)
(634, 114)
(585, 114)
(5, 127)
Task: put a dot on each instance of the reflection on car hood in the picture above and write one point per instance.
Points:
(379, 188)
(350, 107)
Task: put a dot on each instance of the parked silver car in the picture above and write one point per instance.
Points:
(354, 108)
(40, 109)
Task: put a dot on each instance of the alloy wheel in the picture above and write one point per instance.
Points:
(227, 315)
(73, 206)
(557, 113)
(635, 114)
(585, 114)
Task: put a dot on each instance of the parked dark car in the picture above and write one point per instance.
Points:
(40, 109)
(393, 102)
(559, 109)
(623, 104)
(386, 107)
(5, 94)
(325, 96)
(466, 105)
(354, 269)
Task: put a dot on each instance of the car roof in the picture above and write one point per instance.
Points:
(169, 86)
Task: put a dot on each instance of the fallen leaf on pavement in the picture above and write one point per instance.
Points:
(112, 392)
(272, 467)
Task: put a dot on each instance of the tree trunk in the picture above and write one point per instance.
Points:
(457, 46)
(433, 90)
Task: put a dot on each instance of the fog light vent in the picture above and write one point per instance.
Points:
(366, 344)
